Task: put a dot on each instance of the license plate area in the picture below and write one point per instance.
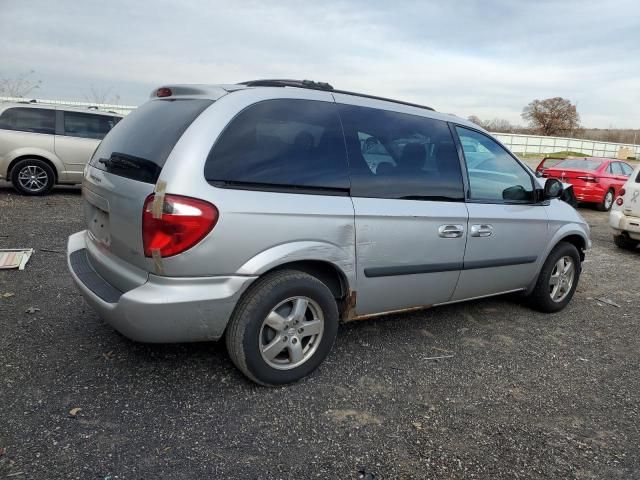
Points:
(99, 226)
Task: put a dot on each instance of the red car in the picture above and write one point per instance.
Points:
(595, 180)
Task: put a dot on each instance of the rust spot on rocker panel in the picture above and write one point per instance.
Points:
(348, 310)
(390, 312)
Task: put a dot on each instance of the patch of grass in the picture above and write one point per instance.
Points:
(567, 154)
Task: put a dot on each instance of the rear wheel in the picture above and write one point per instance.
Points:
(557, 280)
(32, 176)
(282, 328)
(624, 241)
(607, 201)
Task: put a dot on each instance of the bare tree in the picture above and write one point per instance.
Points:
(552, 116)
(498, 125)
(19, 86)
(102, 95)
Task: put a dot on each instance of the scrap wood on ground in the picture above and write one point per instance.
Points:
(15, 258)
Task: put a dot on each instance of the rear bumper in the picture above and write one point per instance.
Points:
(162, 310)
(625, 223)
(592, 194)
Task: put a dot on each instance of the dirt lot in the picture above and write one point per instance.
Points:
(525, 395)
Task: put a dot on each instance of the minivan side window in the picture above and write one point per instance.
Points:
(36, 120)
(87, 125)
(400, 156)
(494, 176)
(283, 143)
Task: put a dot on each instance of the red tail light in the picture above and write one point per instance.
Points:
(588, 178)
(619, 201)
(621, 192)
(163, 92)
(180, 222)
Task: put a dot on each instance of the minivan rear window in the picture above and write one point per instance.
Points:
(138, 146)
(24, 119)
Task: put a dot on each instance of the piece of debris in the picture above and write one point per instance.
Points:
(363, 474)
(74, 411)
(607, 301)
(439, 358)
(49, 250)
(15, 257)
(7, 294)
(417, 425)
(32, 310)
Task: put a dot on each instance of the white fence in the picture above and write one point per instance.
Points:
(122, 109)
(538, 144)
(517, 143)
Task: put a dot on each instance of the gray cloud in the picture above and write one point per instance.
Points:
(487, 58)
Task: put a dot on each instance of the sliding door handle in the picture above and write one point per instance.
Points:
(451, 231)
(482, 230)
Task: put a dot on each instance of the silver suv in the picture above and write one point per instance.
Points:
(266, 212)
(42, 145)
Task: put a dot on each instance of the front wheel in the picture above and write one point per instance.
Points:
(557, 280)
(283, 328)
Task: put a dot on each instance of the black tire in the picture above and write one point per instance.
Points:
(46, 177)
(624, 241)
(540, 298)
(243, 334)
(607, 201)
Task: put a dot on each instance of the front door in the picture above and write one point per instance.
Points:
(410, 215)
(507, 230)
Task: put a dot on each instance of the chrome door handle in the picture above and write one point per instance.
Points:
(451, 231)
(482, 230)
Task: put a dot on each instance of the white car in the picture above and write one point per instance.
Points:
(625, 213)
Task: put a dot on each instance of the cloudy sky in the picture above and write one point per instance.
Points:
(487, 58)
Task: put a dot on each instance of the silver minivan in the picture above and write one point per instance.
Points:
(42, 144)
(267, 212)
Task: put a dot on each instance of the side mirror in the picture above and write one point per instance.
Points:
(552, 188)
(517, 192)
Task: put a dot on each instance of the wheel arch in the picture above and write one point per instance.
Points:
(569, 234)
(47, 160)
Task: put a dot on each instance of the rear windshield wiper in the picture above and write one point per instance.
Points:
(120, 161)
(130, 166)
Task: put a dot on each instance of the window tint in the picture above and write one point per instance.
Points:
(395, 155)
(287, 143)
(87, 125)
(497, 176)
(37, 120)
(626, 169)
(138, 146)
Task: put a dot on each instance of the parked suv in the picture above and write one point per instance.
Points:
(42, 145)
(624, 218)
(266, 212)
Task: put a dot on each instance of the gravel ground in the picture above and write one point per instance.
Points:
(521, 394)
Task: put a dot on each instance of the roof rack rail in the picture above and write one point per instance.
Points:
(289, 83)
(310, 84)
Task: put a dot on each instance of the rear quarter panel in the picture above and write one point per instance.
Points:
(256, 230)
(15, 144)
